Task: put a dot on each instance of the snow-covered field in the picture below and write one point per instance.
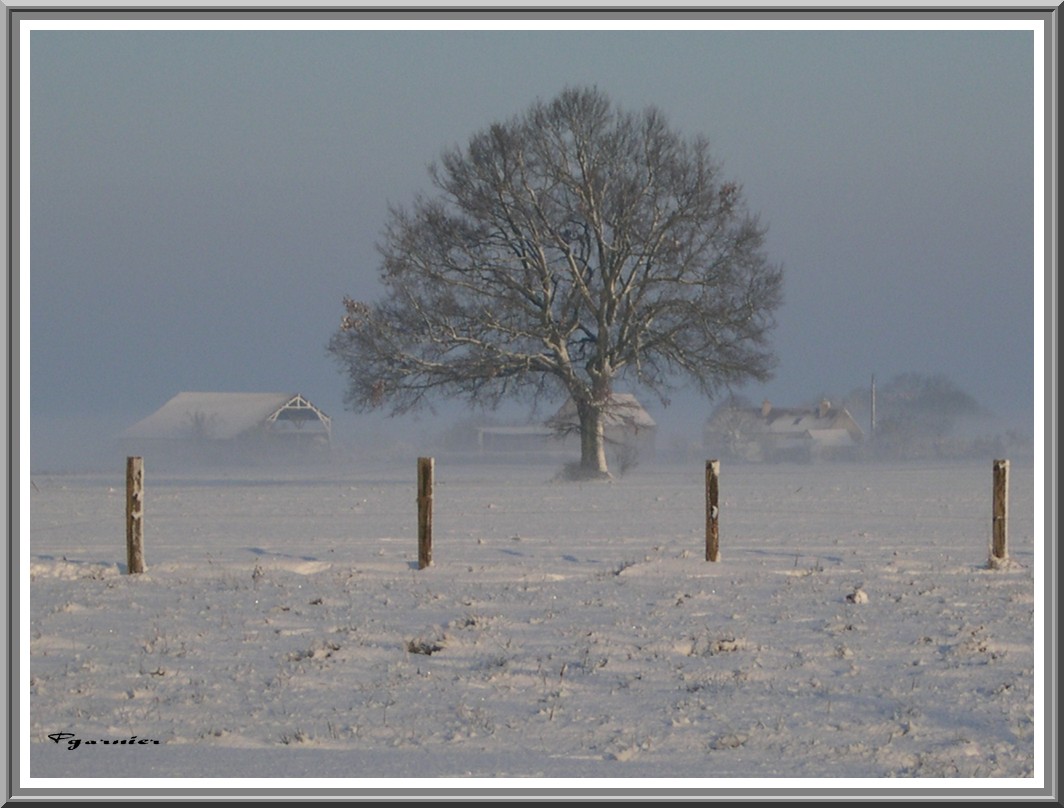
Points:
(852, 628)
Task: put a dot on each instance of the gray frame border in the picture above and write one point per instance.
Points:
(9, 742)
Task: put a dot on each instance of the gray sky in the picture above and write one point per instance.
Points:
(202, 201)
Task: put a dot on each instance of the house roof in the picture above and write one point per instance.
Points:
(824, 424)
(787, 420)
(624, 410)
(221, 416)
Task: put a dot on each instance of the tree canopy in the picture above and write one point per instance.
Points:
(571, 246)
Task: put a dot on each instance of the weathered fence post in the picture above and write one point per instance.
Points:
(134, 514)
(999, 550)
(425, 468)
(712, 510)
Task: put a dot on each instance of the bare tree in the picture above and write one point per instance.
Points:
(569, 247)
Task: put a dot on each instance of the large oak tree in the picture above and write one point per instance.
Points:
(562, 250)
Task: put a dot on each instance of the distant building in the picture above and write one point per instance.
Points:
(630, 433)
(768, 433)
(515, 439)
(232, 428)
(628, 427)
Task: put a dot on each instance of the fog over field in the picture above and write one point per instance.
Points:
(202, 201)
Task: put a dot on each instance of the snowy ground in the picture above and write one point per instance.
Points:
(852, 628)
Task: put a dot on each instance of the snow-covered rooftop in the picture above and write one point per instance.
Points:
(624, 410)
(218, 416)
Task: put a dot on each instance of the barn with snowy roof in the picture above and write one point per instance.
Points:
(629, 428)
(232, 428)
(630, 433)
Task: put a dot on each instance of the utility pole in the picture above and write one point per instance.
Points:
(873, 404)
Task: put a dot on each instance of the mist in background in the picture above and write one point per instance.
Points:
(202, 201)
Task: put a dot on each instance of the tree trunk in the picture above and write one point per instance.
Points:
(592, 441)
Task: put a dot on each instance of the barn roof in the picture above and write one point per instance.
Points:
(624, 410)
(221, 416)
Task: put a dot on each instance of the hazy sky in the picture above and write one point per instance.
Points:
(202, 201)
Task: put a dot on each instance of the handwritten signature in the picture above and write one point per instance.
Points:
(73, 742)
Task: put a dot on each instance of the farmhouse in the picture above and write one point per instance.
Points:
(630, 433)
(629, 429)
(768, 433)
(232, 428)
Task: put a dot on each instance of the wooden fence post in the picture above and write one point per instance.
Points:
(712, 510)
(134, 514)
(999, 550)
(425, 469)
